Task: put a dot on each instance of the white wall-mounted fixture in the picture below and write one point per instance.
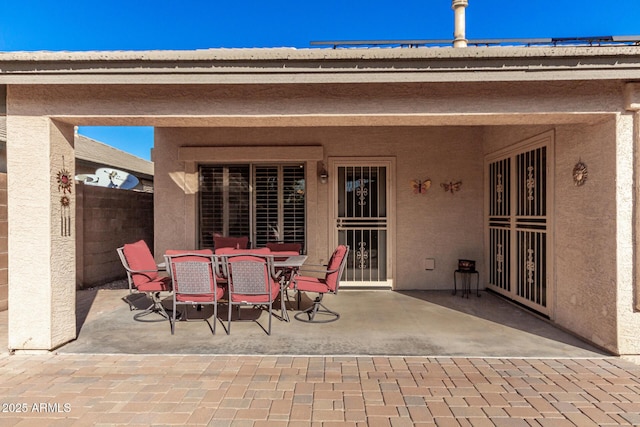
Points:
(429, 264)
(323, 174)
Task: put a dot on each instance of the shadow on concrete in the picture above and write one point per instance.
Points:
(500, 311)
(372, 322)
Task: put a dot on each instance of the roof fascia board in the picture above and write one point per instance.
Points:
(526, 75)
(264, 66)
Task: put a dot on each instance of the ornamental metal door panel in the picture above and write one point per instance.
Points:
(362, 222)
(518, 226)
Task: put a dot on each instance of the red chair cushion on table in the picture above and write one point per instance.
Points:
(139, 258)
(232, 251)
(186, 251)
(285, 247)
(230, 242)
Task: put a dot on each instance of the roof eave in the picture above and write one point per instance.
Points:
(287, 66)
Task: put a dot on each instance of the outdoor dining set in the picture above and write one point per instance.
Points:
(232, 275)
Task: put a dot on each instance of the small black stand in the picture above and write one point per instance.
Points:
(466, 282)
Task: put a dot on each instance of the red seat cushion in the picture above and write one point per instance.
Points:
(139, 258)
(200, 297)
(275, 291)
(158, 285)
(311, 284)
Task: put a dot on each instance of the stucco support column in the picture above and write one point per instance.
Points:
(459, 32)
(629, 293)
(42, 264)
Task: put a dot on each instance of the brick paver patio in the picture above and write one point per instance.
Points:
(200, 390)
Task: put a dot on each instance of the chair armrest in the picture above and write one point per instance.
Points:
(141, 271)
(311, 270)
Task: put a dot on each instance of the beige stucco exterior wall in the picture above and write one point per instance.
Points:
(628, 317)
(593, 286)
(436, 225)
(434, 131)
(41, 260)
(4, 272)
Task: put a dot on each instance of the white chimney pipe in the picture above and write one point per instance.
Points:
(459, 38)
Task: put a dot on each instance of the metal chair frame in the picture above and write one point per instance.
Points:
(194, 282)
(317, 308)
(250, 277)
(156, 300)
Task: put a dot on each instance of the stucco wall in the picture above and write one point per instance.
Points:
(4, 279)
(584, 226)
(436, 225)
(106, 219)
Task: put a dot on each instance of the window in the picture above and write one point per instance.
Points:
(264, 202)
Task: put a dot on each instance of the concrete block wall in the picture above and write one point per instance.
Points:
(106, 219)
(4, 279)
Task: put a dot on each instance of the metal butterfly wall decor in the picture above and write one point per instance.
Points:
(420, 187)
(451, 187)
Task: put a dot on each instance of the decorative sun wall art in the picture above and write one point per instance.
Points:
(65, 184)
(580, 174)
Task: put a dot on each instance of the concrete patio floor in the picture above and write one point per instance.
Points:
(373, 322)
(543, 376)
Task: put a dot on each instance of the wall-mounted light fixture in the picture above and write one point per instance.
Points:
(323, 174)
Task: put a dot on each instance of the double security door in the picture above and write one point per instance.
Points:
(518, 225)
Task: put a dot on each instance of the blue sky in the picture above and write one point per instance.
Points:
(74, 25)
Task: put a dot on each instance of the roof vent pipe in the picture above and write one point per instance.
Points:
(459, 38)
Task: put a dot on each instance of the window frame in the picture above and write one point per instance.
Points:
(252, 197)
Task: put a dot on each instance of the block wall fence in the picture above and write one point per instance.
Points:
(106, 218)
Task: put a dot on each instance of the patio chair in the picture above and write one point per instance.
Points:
(194, 283)
(143, 277)
(251, 280)
(327, 285)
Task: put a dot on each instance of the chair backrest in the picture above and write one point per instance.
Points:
(284, 247)
(249, 274)
(139, 262)
(230, 242)
(192, 272)
(336, 266)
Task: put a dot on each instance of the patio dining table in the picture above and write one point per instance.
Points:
(289, 265)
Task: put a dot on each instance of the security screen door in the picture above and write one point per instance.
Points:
(519, 229)
(361, 215)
